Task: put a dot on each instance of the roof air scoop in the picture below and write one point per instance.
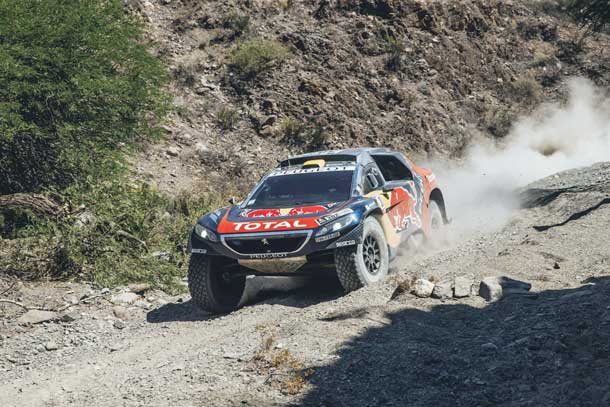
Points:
(314, 164)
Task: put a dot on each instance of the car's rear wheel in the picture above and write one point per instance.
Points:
(365, 263)
(212, 288)
(436, 235)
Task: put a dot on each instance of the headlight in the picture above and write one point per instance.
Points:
(337, 225)
(205, 233)
(336, 215)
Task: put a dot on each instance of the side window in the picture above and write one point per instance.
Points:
(392, 168)
(372, 180)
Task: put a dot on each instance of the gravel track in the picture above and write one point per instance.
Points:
(376, 346)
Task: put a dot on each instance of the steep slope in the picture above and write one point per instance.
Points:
(423, 77)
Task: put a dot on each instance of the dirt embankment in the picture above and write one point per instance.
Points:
(376, 346)
(421, 77)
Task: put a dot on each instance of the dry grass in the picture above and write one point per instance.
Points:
(284, 4)
(290, 127)
(227, 118)
(284, 371)
(526, 90)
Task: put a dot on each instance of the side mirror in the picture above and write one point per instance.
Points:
(387, 188)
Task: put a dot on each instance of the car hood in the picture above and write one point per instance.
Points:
(245, 220)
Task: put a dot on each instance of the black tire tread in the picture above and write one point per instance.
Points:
(198, 282)
(345, 262)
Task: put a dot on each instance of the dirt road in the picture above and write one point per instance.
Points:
(377, 346)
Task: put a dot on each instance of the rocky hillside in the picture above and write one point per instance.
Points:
(256, 80)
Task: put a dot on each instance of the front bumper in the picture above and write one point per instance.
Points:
(275, 245)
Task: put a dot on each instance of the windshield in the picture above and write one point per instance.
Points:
(302, 189)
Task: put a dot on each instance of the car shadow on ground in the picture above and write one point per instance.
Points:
(289, 292)
(547, 350)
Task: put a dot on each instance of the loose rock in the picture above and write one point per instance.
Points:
(462, 287)
(120, 312)
(172, 152)
(443, 290)
(139, 288)
(69, 317)
(126, 298)
(490, 289)
(489, 346)
(36, 316)
(118, 324)
(51, 346)
(423, 288)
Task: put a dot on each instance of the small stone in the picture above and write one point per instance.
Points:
(69, 317)
(201, 148)
(126, 298)
(163, 256)
(462, 287)
(139, 288)
(51, 346)
(118, 324)
(172, 151)
(269, 121)
(105, 290)
(442, 290)
(120, 312)
(267, 131)
(269, 105)
(556, 266)
(36, 316)
(423, 288)
(143, 304)
(489, 346)
(490, 289)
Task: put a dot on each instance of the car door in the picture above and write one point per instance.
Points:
(403, 196)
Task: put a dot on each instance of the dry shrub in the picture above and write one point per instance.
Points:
(526, 90)
(284, 371)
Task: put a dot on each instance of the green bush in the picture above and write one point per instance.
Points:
(118, 233)
(257, 56)
(236, 22)
(76, 82)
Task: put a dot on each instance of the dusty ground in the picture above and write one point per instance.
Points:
(376, 346)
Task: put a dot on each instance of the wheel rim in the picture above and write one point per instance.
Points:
(371, 254)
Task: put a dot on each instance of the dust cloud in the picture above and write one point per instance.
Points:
(480, 191)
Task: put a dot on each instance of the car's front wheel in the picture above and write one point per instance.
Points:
(212, 288)
(365, 263)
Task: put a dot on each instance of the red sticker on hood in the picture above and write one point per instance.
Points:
(274, 213)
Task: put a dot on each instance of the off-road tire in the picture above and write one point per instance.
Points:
(436, 236)
(350, 263)
(208, 288)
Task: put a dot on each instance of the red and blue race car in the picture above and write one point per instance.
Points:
(343, 211)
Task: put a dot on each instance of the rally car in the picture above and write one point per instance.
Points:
(343, 211)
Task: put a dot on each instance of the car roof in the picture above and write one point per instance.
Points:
(358, 155)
